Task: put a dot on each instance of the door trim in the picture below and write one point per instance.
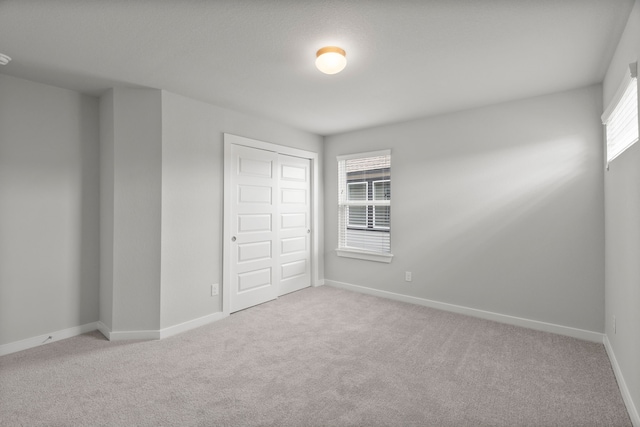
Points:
(230, 139)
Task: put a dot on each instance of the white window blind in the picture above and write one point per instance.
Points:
(364, 204)
(621, 117)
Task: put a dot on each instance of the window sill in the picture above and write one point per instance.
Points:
(365, 255)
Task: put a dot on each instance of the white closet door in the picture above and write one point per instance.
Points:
(294, 211)
(254, 264)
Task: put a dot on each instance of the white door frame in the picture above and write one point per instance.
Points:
(227, 233)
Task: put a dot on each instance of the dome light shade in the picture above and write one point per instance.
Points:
(331, 59)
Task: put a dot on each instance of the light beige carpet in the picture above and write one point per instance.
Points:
(318, 357)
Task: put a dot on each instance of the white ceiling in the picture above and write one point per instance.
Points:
(406, 59)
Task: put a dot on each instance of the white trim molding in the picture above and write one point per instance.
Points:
(107, 332)
(104, 330)
(624, 390)
(39, 340)
(367, 154)
(148, 335)
(365, 255)
(487, 315)
(192, 324)
(161, 333)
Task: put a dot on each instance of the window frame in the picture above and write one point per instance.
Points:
(343, 203)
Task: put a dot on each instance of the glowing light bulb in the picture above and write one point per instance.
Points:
(331, 60)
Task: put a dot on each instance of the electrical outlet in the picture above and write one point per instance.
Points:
(407, 276)
(215, 289)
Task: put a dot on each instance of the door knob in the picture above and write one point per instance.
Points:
(308, 230)
(233, 239)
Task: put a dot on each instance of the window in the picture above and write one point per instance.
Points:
(621, 118)
(364, 206)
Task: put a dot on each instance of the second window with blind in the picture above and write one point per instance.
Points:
(621, 117)
(364, 206)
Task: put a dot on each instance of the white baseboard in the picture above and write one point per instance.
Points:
(488, 315)
(192, 324)
(104, 330)
(126, 335)
(39, 340)
(161, 333)
(626, 395)
(134, 335)
(319, 282)
(109, 334)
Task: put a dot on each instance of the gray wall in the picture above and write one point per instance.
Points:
(192, 188)
(136, 208)
(622, 213)
(49, 209)
(498, 209)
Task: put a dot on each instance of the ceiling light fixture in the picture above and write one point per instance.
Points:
(331, 59)
(4, 59)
